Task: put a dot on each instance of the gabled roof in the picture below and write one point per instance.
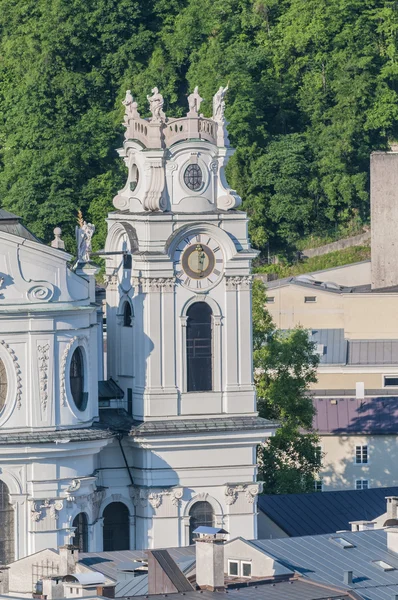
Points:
(351, 415)
(320, 559)
(324, 512)
(10, 223)
(171, 570)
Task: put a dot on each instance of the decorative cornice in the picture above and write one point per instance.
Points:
(157, 284)
(143, 496)
(17, 369)
(250, 490)
(238, 282)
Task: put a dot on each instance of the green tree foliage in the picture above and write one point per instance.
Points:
(285, 364)
(312, 91)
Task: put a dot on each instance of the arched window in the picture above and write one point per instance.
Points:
(127, 314)
(6, 526)
(77, 379)
(116, 527)
(201, 514)
(3, 384)
(81, 532)
(199, 348)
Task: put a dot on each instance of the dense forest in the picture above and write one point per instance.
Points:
(312, 91)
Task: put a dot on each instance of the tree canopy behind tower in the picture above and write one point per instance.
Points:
(312, 91)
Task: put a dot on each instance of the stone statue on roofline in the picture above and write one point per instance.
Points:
(219, 104)
(84, 234)
(194, 102)
(128, 101)
(156, 105)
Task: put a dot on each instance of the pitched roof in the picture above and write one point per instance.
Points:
(351, 415)
(320, 559)
(170, 568)
(10, 223)
(324, 512)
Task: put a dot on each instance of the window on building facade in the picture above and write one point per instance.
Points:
(361, 455)
(362, 484)
(233, 568)
(77, 379)
(318, 485)
(239, 568)
(308, 299)
(199, 348)
(81, 532)
(3, 384)
(127, 314)
(391, 381)
(246, 569)
(116, 527)
(270, 299)
(193, 177)
(201, 514)
(6, 526)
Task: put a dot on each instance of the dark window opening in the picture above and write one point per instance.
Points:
(116, 527)
(127, 314)
(81, 533)
(77, 379)
(201, 515)
(129, 401)
(127, 261)
(6, 526)
(391, 381)
(199, 348)
(193, 177)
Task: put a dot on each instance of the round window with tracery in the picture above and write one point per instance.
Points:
(193, 177)
(3, 384)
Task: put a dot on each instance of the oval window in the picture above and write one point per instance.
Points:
(193, 177)
(76, 378)
(3, 384)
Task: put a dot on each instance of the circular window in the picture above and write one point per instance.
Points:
(3, 384)
(193, 177)
(76, 378)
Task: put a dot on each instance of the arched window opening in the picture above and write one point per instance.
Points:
(201, 514)
(391, 523)
(199, 348)
(116, 527)
(81, 532)
(127, 314)
(6, 526)
(77, 379)
(3, 384)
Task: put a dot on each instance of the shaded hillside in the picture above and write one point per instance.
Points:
(313, 90)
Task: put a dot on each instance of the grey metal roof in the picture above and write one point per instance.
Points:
(373, 352)
(116, 419)
(132, 587)
(335, 346)
(109, 390)
(324, 512)
(10, 223)
(64, 435)
(205, 425)
(170, 568)
(283, 590)
(108, 563)
(351, 415)
(321, 560)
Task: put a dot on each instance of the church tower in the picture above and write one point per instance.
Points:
(179, 327)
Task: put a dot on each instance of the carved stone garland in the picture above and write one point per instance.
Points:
(250, 490)
(39, 509)
(243, 282)
(43, 373)
(17, 371)
(143, 496)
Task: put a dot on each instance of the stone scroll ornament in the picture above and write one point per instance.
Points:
(84, 234)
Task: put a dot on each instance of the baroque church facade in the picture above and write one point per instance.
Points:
(168, 440)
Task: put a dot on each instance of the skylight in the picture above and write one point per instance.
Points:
(342, 542)
(382, 564)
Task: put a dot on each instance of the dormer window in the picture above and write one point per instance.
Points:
(193, 177)
(239, 568)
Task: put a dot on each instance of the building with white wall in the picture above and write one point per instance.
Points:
(179, 449)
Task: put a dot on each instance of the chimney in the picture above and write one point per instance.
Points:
(69, 556)
(210, 558)
(392, 505)
(392, 539)
(4, 579)
(348, 577)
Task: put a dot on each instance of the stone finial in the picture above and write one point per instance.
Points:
(219, 104)
(57, 242)
(156, 105)
(194, 102)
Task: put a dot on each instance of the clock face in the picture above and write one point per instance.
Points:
(198, 261)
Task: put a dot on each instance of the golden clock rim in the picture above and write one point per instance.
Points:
(210, 255)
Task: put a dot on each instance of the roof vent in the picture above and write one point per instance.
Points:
(382, 564)
(348, 577)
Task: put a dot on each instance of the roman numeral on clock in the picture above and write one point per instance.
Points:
(216, 272)
(216, 249)
(187, 241)
(198, 285)
(188, 281)
(198, 238)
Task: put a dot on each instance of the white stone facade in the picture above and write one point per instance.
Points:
(177, 446)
